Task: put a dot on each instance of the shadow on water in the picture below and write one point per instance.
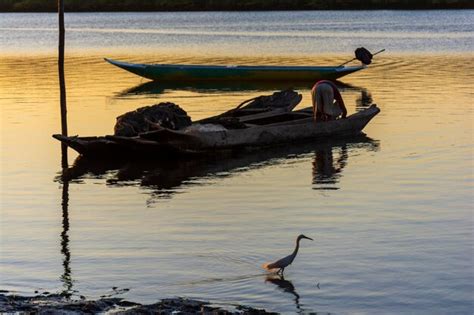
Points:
(166, 178)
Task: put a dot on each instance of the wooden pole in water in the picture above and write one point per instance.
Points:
(62, 82)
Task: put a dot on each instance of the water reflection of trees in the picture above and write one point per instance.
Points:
(166, 178)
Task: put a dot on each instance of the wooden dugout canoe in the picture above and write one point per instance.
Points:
(170, 72)
(278, 129)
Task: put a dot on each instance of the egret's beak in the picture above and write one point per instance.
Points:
(309, 238)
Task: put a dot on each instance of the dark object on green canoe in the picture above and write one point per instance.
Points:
(363, 55)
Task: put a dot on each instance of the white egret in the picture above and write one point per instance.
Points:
(281, 264)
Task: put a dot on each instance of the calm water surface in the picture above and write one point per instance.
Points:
(391, 213)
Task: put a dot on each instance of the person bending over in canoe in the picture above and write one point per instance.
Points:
(327, 101)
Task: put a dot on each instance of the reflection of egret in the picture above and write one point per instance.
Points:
(284, 285)
(286, 261)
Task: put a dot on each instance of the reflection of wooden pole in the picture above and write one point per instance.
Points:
(62, 81)
(66, 277)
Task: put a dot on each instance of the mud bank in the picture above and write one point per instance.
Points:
(63, 304)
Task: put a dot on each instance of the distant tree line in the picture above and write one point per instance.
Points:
(228, 5)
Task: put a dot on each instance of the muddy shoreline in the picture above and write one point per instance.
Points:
(51, 303)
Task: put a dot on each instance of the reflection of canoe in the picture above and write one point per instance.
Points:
(167, 175)
(267, 130)
(164, 72)
(156, 88)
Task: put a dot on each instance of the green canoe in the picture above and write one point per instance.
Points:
(164, 72)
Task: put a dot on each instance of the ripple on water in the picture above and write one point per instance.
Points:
(391, 215)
